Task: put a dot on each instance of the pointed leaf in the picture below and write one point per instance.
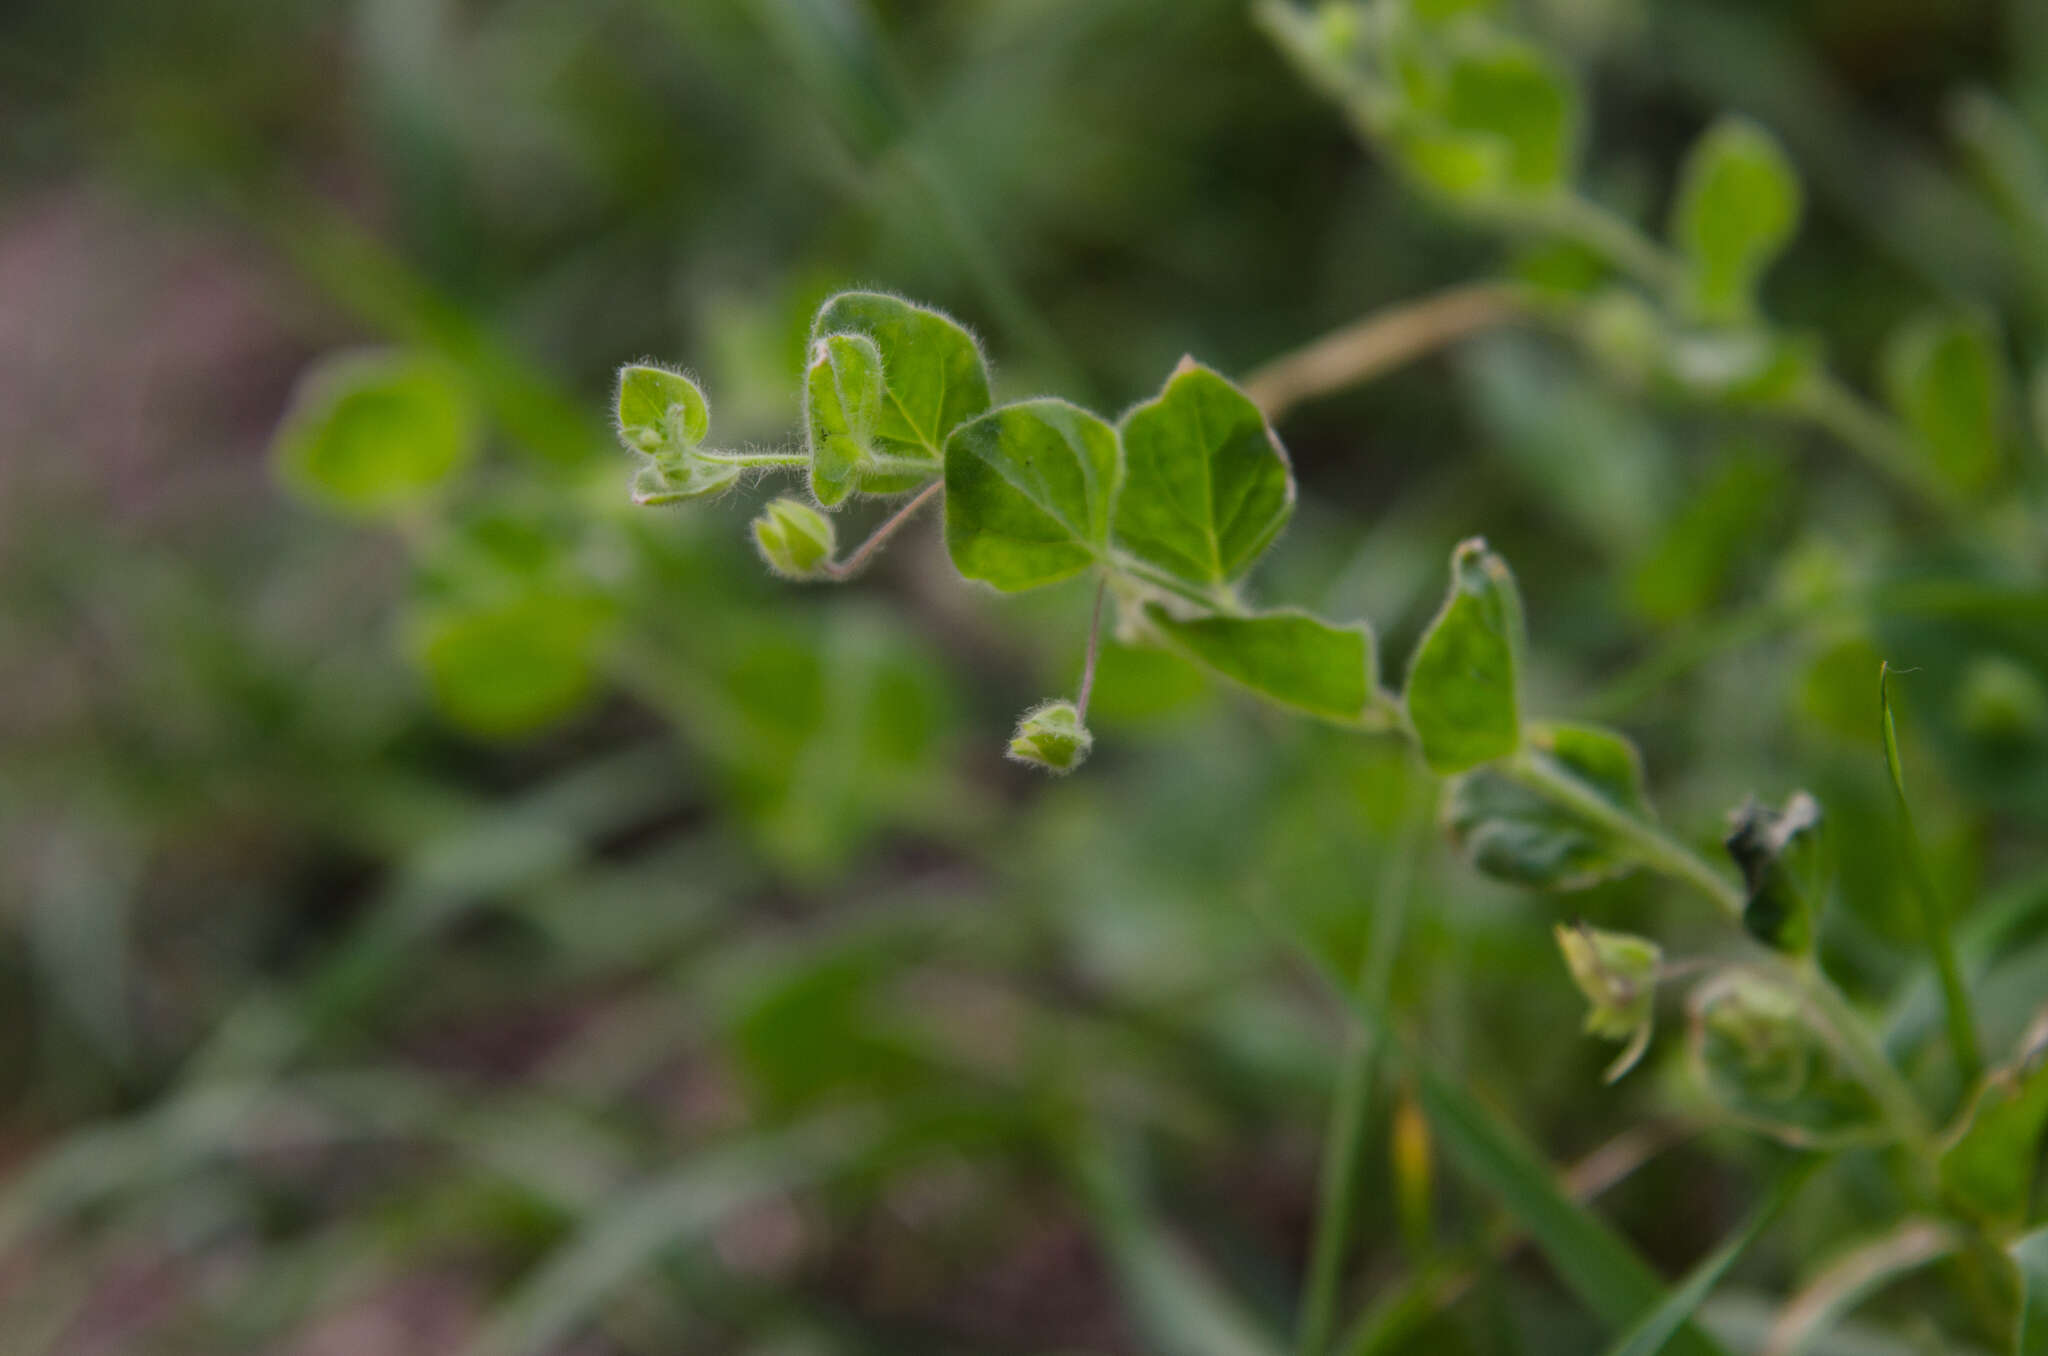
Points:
(1291, 658)
(932, 370)
(1028, 493)
(373, 433)
(1946, 379)
(1462, 684)
(1206, 486)
(1738, 205)
(1513, 832)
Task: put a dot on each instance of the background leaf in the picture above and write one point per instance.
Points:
(1510, 831)
(1946, 378)
(375, 433)
(1738, 206)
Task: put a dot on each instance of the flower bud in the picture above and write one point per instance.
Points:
(795, 539)
(1052, 737)
(1617, 972)
(1785, 870)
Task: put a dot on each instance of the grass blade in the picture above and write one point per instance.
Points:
(1962, 1026)
(1657, 1327)
(2030, 1333)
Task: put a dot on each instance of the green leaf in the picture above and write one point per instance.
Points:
(1738, 206)
(1462, 683)
(654, 485)
(1989, 1161)
(1029, 488)
(1786, 871)
(933, 375)
(374, 433)
(1945, 377)
(1511, 831)
(2030, 1257)
(1290, 657)
(510, 667)
(1206, 486)
(1487, 117)
(844, 401)
(660, 413)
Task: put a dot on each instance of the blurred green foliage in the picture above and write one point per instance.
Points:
(525, 926)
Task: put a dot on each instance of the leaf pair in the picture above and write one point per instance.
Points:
(1185, 494)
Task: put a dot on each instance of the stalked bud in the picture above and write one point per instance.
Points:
(1785, 870)
(795, 539)
(1052, 737)
(1617, 972)
(661, 414)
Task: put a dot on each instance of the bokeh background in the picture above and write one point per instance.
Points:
(538, 931)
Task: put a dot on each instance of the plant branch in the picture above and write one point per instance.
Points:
(879, 538)
(1094, 648)
(751, 458)
(1379, 343)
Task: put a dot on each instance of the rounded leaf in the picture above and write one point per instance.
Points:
(1737, 208)
(932, 370)
(659, 411)
(375, 433)
(1028, 493)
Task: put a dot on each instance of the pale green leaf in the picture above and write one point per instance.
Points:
(843, 406)
(1989, 1160)
(510, 667)
(1512, 832)
(1029, 489)
(1462, 696)
(1485, 117)
(933, 374)
(660, 412)
(1290, 658)
(1946, 378)
(1206, 487)
(1738, 206)
(375, 433)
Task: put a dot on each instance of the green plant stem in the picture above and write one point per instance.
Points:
(1614, 239)
(854, 563)
(752, 458)
(1343, 1140)
(1872, 435)
(1651, 845)
(1094, 651)
(1865, 1055)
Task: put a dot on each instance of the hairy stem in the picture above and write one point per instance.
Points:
(1094, 649)
(1654, 847)
(879, 538)
(752, 458)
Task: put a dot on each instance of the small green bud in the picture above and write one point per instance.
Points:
(1617, 972)
(2002, 702)
(795, 539)
(1052, 737)
(1754, 1037)
(1785, 868)
(661, 413)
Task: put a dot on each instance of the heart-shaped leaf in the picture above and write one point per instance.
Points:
(1029, 491)
(933, 375)
(1206, 486)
